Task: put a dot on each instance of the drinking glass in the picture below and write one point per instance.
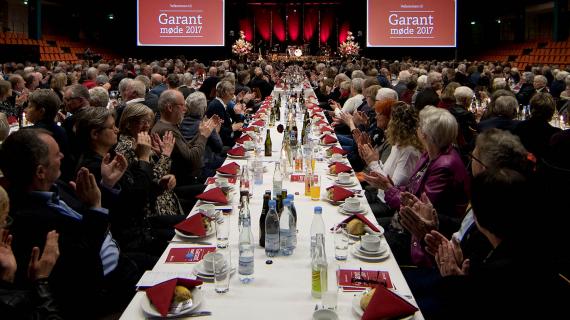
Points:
(316, 188)
(340, 242)
(222, 272)
(222, 230)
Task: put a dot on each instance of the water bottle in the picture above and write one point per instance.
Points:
(317, 226)
(277, 180)
(258, 172)
(294, 213)
(243, 212)
(287, 230)
(319, 267)
(272, 231)
(246, 252)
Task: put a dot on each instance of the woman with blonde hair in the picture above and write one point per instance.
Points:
(137, 118)
(405, 152)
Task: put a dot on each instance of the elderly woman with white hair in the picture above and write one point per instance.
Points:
(439, 177)
(196, 104)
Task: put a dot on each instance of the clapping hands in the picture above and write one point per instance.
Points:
(418, 215)
(144, 146)
(86, 188)
(378, 180)
(112, 170)
(165, 145)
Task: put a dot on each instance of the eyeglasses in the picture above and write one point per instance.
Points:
(361, 279)
(472, 157)
(145, 122)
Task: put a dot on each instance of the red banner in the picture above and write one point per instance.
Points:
(411, 23)
(180, 22)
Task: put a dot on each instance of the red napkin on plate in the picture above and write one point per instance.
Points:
(340, 193)
(335, 149)
(160, 295)
(192, 225)
(340, 167)
(385, 304)
(238, 151)
(362, 218)
(213, 195)
(12, 120)
(329, 139)
(258, 123)
(230, 168)
(244, 138)
(211, 180)
(248, 129)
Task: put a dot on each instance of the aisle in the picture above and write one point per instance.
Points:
(282, 289)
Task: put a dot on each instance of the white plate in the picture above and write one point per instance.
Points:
(188, 236)
(334, 203)
(358, 310)
(199, 272)
(227, 175)
(361, 210)
(381, 251)
(150, 310)
(236, 157)
(347, 213)
(352, 183)
(361, 256)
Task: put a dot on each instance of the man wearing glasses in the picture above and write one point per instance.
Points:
(75, 100)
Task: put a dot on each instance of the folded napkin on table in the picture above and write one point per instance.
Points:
(230, 168)
(238, 151)
(339, 193)
(248, 129)
(328, 139)
(213, 195)
(339, 167)
(211, 180)
(244, 137)
(192, 225)
(318, 123)
(258, 123)
(335, 149)
(161, 295)
(362, 218)
(326, 128)
(385, 304)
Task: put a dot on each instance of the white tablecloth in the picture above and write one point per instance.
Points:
(281, 290)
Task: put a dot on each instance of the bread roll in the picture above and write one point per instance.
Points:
(365, 300)
(182, 294)
(355, 227)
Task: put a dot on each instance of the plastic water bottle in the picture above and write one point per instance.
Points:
(243, 212)
(319, 268)
(246, 252)
(317, 226)
(294, 213)
(277, 180)
(272, 230)
(258, 172)
(287, 229)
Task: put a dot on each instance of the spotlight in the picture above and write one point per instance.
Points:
(472, 22)
(111, 16)
(499, 21)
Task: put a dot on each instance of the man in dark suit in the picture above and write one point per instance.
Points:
(429, 96)
(90, 272)
(230, 129)
(209, 85)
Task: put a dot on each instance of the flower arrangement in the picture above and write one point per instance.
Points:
(242, 47)
(349, 48)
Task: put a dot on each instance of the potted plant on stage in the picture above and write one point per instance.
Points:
(349, 49)
(242, 47)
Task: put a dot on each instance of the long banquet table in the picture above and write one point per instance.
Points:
(281, 290)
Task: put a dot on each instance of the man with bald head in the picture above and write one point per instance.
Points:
(209, 85)
(157, 84)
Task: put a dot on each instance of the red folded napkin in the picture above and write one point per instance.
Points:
(160, 295)
(258, 123)
(326, 128)
(340, 193)
(362, 218)
(245, 137)
(248, 129)
(213, 195)
(211, 180)
(230, 168)
(335, 149)
(340, 167)
(192, 225)
(385, 304)
(12, 120)
(238, 151)
(328, 139)
(318, 123)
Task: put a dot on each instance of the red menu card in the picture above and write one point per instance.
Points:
(188, 255)
(360, 280)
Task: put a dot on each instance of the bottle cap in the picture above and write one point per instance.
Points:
(318, 210)
(286, 202)
(291, 197)
(272, 204)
